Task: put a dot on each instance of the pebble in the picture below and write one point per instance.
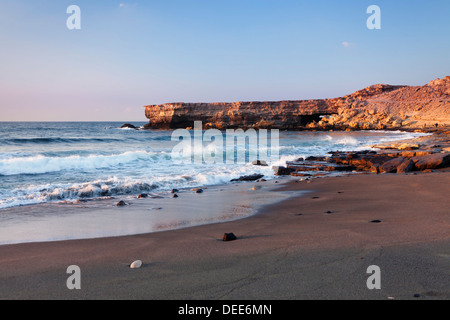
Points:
(175, 196)
(229, 237)
(375, 221)
(136, 264)
(121, 203)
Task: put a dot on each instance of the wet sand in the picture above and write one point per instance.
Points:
(315, 246)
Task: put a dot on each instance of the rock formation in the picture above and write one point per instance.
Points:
(379, 106)
(426, 153)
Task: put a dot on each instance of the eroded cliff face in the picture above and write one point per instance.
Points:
(280, 114)
(379, 106)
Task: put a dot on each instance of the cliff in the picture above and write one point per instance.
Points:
(379, 106)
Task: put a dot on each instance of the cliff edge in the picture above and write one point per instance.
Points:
(380, 106)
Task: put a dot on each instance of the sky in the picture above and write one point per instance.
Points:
(128, 54)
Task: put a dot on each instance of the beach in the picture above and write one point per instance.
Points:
(317, 244)
(229, 153)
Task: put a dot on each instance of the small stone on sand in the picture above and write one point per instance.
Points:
(229, 237)
(136, 264)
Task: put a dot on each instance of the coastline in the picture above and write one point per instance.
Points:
(317, 245)
(278, 254)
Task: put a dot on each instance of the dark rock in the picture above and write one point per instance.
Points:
(175, 195)
(406, 166)
(147, 126)
(229, 237)
(313, 158)
(375, 221)
(199, 191)
(259, 163)
(329, 212)
(283, 171)
(128, 125)
(175, 191)
(252, 177)
(121, 203)
(300, 174)
(391, 165)
(142, 196)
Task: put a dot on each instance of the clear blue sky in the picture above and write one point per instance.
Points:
(132, 53)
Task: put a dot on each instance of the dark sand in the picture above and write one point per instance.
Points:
(279, 254)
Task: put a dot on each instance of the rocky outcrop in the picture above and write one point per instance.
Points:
(379, 106)
(280, 114)
(402, 107)
(426, 153)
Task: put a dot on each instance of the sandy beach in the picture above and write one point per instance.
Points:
(316, 245)
(218, 153)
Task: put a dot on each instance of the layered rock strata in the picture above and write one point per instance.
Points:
(379, 106)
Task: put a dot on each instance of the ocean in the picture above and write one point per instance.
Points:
(43, 162)
(62, 180)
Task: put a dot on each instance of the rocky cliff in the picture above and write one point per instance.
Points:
(379, 106)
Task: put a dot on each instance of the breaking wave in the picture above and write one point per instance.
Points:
(44, 164)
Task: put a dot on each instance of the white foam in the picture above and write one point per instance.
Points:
(44, 164)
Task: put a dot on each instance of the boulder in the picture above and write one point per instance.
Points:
(406, 166)
(128, 125)
(259, 163)
(283, 171)
(252, 177)
(432, 161)
(391, 165)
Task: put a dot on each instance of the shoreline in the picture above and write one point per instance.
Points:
(104, 218)
(312, 246)
(315, 255)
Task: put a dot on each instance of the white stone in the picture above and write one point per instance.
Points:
(136, 264)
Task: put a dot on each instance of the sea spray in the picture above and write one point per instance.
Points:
(51, 162)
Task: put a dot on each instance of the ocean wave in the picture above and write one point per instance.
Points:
(90, 190)
(44, 164)
(20, 141)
